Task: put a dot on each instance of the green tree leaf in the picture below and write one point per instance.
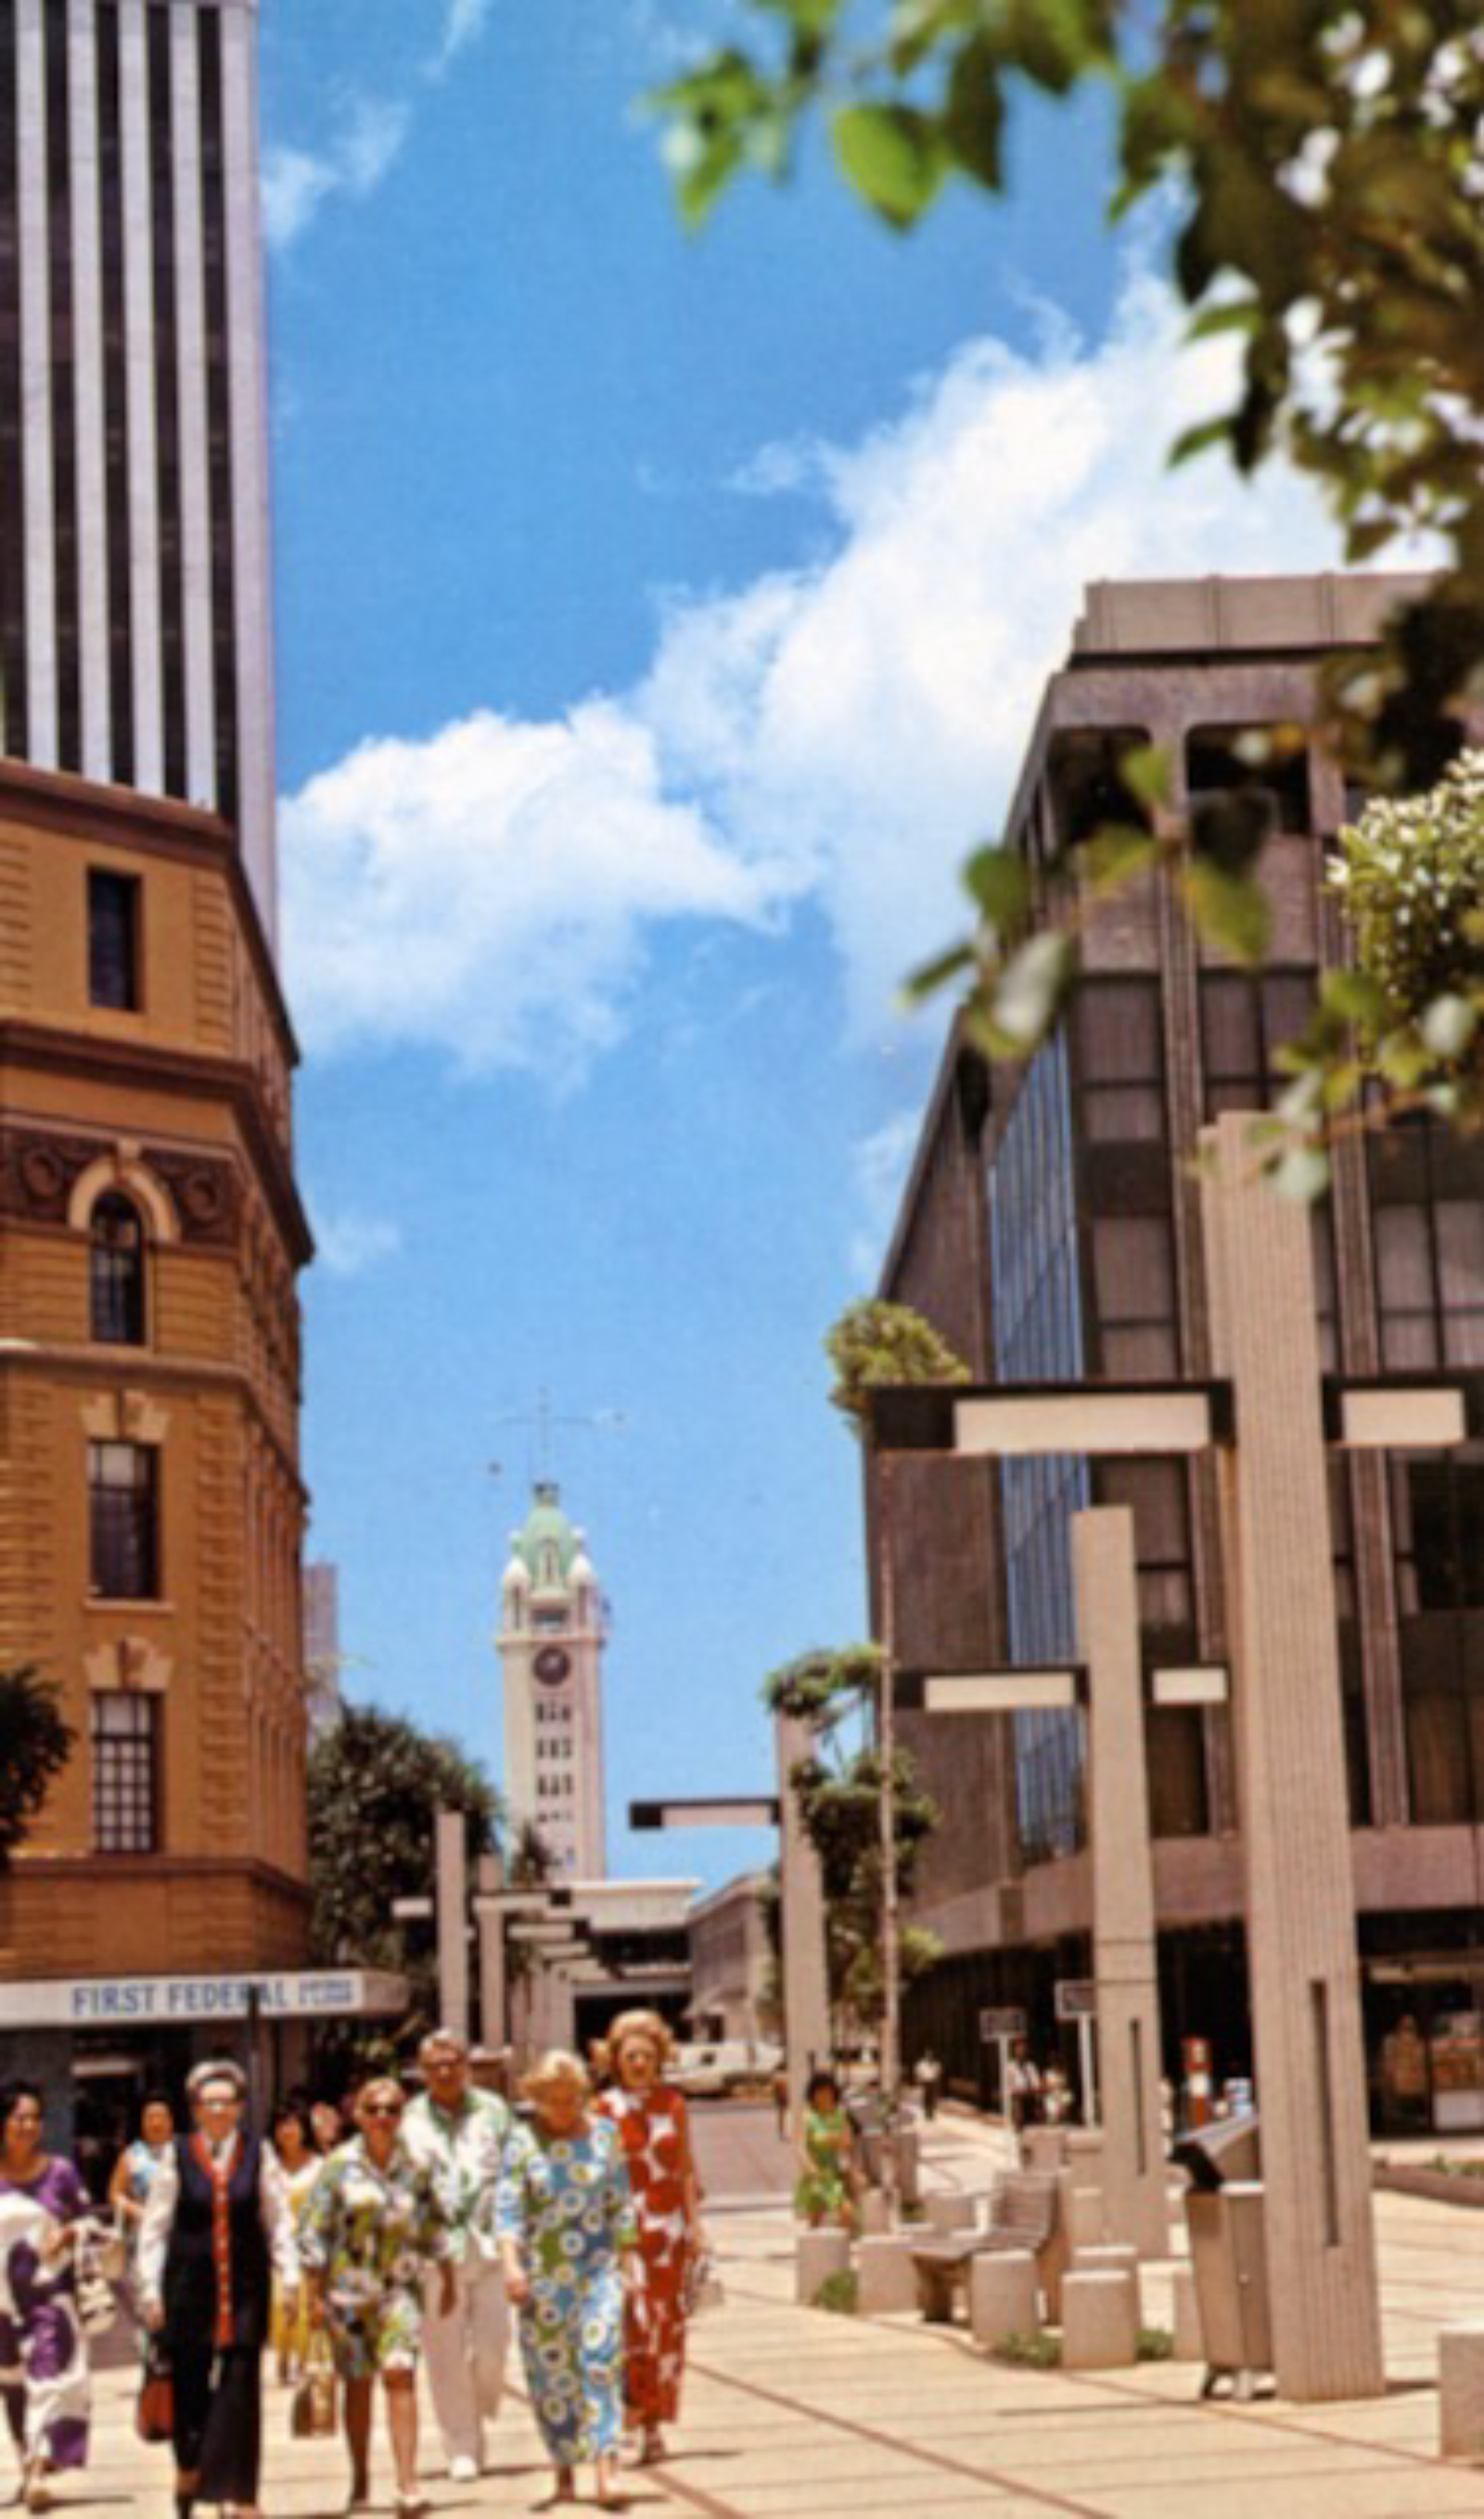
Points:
(894, 155)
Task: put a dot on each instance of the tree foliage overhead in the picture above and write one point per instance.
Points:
(36, 1744)
(376, 1786)
(1324, 160)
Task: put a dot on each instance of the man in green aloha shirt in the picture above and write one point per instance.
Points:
(460, 2134)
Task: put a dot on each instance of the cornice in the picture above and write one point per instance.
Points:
(173, 1070)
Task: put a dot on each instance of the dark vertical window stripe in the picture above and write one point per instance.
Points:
(115, 398)
(59, 125)
(11, 500)
(219, 415)
(172, 589)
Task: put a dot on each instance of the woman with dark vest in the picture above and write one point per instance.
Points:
(217, 2228)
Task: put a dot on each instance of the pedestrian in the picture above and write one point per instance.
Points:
(1023, 2087)
(654, 2129)
(217, 2224)
(460, 2134)
(372, 2229)
(829, 2178)
(293, 2149)
(928, 2076)
(567, 2228)
(780, 2102)
(44, 2207)
(326, 2125)
(134, 2171)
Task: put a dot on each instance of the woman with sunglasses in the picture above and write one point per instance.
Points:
(371, 2227)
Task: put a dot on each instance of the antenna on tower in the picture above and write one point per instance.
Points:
(541, 1424)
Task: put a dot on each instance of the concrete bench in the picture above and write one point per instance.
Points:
(1023, 2218)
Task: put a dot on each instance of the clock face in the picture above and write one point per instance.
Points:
(551, 1665)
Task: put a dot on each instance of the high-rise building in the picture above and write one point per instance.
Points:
(152, 1508)
(1052, 1229)
(551, 1642)
(135, 598)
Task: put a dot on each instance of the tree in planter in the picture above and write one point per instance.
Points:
(376, 1783)
(1321, 162)
(874, 1342)
(35, 1744)
(841, 1800)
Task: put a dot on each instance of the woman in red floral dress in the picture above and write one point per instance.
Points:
(655, 2132)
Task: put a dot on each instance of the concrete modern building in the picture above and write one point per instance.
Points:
(321, 1646)
(550, 1644)
(733, 1968)
(1052, 1229)
(135, 598)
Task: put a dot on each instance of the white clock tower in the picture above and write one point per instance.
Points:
(552, 1652)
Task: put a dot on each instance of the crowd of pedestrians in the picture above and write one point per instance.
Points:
(409, 2231)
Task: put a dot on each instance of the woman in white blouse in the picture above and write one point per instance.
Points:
(217, 2227)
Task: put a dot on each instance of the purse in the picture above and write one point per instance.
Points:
(703, 2282)
(313, 2411)
(154, 2413)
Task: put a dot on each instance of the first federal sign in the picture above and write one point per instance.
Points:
(105, 2002)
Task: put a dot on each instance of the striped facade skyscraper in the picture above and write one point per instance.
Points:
(134, 607)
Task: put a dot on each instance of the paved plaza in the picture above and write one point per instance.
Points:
(792, 2413)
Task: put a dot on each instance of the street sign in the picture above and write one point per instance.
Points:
(1007, 2022)
(1077, 1998)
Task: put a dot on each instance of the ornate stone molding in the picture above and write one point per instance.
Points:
(40, 1169)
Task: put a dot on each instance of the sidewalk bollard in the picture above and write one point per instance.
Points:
(1044, 2148)
(908, 2167)
(1185, 2315)
(1003, 2296)
(875, 2213)
(1085, 2155)
(886, 2278)
(1461, 2391)
(1099, 2322)
(1083, 2214)
(818, 2254)
(951, 2212)
(1111, 2257)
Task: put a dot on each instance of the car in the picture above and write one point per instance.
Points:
(713, 2072)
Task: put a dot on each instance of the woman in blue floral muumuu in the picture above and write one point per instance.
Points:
(371, 2225)
(568, 2233)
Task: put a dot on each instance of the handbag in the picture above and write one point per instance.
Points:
(97, 2301)
(154, 2413)
(312, 2411)
(703, 2282)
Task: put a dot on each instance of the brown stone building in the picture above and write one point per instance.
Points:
(1052, 1229)
(150, 1503)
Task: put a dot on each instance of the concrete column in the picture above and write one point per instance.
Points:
(453, 1923)
(490, 1917)
(1132, 2156)
(1291, 1763)
(805, 1985)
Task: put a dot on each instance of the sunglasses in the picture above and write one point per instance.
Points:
(380, 2110)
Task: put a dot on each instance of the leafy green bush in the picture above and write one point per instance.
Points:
(839, 2293)
(1030, 2349)
(1154, 2344)
(1410, 881)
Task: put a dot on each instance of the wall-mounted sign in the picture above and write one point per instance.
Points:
(169, 2002)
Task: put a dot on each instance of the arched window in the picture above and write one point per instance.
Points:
(116, 1271)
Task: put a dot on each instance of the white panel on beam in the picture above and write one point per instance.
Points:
(729, 1813)
(1000, 1692)
(1089, 1421)
(1403, 1419)
(1202, 1684)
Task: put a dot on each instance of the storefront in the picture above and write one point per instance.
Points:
(96, 2045)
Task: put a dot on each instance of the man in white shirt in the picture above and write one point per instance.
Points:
(460, 2134)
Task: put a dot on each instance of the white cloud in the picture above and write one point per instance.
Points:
(348, 1244)
(489, 890)
(464, 23)
(298, 182)
(844, 731)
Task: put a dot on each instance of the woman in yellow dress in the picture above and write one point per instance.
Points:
(301, 2165)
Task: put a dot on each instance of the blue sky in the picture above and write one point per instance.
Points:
(659, 619)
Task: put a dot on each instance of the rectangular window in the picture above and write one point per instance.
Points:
(113, 939)
(123, 1519)
(125, 1734)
